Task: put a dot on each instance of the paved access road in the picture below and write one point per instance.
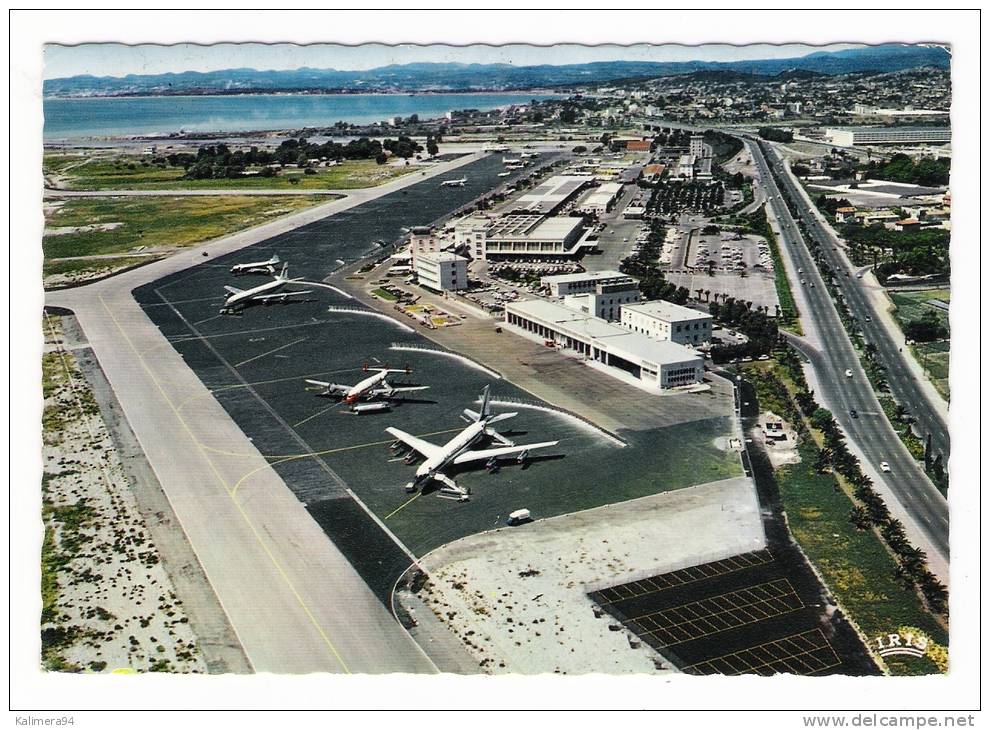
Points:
(831, 355)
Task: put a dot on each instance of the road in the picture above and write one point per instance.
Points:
(902, 378)
(831, 353)
(294, 601)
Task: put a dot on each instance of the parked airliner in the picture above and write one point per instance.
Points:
(267, 293)
(458, 450)
(459, 183)
(257, 267)
(373, 387)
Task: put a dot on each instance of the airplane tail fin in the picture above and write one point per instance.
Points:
(285, 271)
(276, 259)
(486, 406)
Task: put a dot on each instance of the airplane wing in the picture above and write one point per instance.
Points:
(484, 454)
(407, 389)
(281, 296)
(330, 387)
(424, 447)
(232, 290)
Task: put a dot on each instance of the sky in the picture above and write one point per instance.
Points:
(113, 59)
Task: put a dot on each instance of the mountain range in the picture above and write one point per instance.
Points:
(456, 77)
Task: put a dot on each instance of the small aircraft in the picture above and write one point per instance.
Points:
(257, 267)
(458, 450)
(459, 183)
(373, 387)
(264, 294)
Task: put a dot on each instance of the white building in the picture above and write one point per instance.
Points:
(442, 271)
(423, 239)
(685, 166)
(519, 235)
(624, 354)
(697, 147)
(600, 200)
(668, 321)
(606, 301)
(561, 285)
(851, 136)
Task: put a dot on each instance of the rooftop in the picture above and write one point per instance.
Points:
(667, 311)
(619, 340)
(584, 276)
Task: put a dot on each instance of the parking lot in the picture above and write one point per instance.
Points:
(747, 614)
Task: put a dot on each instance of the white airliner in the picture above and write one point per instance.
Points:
(458, 450)
(524, 155)
(257, 267)
(504, 174)
(459, 183)
(515, 161)
(264, 294)
(373, 387)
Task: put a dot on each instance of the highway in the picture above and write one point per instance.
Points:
(903, 382)
(831, 354)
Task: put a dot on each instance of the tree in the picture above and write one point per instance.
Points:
(431, 147)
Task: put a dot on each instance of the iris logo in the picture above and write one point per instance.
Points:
(903, 643)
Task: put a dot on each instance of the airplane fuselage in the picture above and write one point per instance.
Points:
(355, 393)
(243, 297)
(452, 449)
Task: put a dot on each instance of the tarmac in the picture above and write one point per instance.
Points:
(294, 601)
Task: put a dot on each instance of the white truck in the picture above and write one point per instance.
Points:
(519, 517)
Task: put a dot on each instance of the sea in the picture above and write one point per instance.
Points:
(102, 117)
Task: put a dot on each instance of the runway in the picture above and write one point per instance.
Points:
(295, 602)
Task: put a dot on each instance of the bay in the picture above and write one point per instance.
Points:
(67, 119)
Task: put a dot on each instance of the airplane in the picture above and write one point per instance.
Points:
(504, 174)
(459, 183)
(507, 161)
(458, 450)
(524, 155)
(257, 267)
(264, 294)
(373, 387)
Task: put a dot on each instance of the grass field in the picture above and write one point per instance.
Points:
(154, 223)
(855, 563)
(109, 226)
(136, 173)
(933, 356)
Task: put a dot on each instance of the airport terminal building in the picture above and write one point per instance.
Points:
(660, 365)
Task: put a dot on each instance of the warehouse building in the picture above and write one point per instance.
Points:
(600, 200)
(442, 271)
(668, 321)
(551, 195)
(560, 285)
(851, 136)
(656, 364)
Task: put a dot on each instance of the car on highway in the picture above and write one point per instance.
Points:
(849, 373)
(884, 467)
